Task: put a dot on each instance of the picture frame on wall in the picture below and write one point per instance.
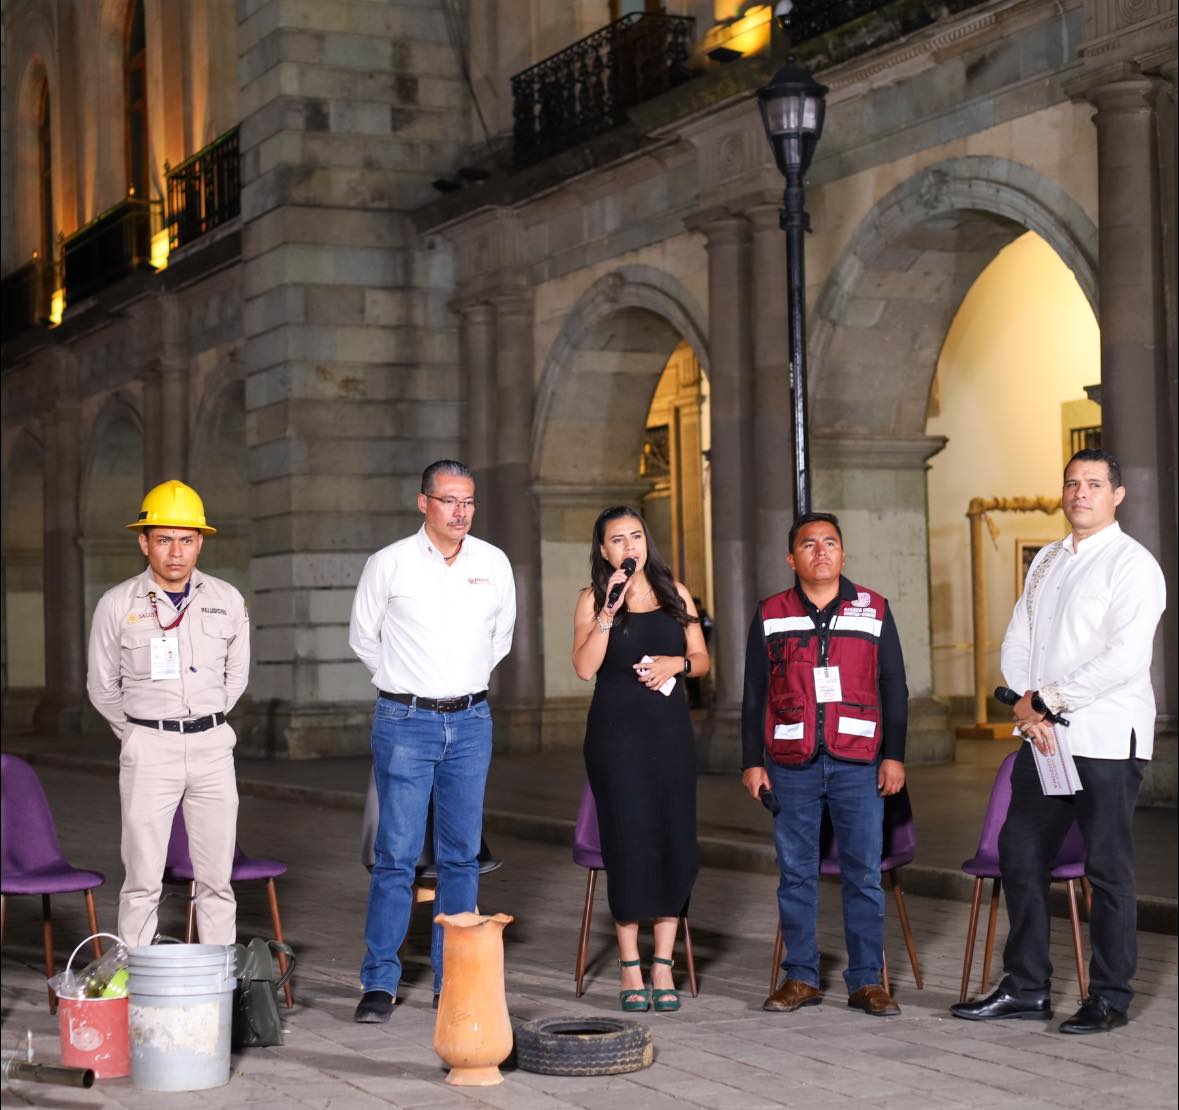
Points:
(1025, 552)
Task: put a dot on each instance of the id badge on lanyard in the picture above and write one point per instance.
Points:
(827, 685)
(165, 649)
(165, 658)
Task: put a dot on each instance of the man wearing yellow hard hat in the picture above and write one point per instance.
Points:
(169, 657)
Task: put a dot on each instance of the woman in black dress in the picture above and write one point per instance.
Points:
(639, 750)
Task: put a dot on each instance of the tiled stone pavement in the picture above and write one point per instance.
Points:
(720, 1051)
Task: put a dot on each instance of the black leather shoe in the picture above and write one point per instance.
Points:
(374, 1008)
(1096, 1015)
(999, 1004)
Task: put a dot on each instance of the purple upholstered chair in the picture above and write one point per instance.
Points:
(32, 858)
(1068, 867)
(899, 848)
(587, 853)
(178, 869)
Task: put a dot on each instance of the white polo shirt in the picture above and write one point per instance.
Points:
(422, 627)
(1082, 634)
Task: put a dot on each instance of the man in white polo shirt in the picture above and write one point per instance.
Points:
(1079, 645)
(433, 615)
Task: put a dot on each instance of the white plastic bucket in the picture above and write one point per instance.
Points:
(181, 1015)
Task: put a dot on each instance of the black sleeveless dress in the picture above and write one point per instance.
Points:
(640, 756)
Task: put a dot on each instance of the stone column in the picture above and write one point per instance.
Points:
(351, 349)
(65, 646)
(731, 396)
(480, 454)
(1137, 417)
(166, 415)
(521, 676)
(773, 447)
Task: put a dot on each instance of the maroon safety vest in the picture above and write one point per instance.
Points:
(852, 727)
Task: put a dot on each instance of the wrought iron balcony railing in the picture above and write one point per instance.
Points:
(588, 87)
(204, 191)
(26, 294)
(111, 246)
(808, 19)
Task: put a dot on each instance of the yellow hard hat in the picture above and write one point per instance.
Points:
(172, 504)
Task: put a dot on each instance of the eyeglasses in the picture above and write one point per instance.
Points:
(466, 504)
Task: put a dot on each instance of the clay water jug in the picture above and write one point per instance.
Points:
(472, 1033)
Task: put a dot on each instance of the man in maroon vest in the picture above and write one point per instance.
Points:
(823, 721)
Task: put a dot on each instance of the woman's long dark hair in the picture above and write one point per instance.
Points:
(658, 572)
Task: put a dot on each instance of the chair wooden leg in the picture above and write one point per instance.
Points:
(47, 935)
(276, 920)
(587, 913)
(971, 931)
(775, 965)
(884, 972)
(1087, 890)
(903, 914)
(689, 957)
(1076, 919)
(190, 929)
(992, 920)
(92, 919)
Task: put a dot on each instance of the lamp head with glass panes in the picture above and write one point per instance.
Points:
(792, 109)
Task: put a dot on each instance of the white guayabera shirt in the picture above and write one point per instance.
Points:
(1082, 634)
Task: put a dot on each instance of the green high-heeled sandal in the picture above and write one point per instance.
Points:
(634, 1000)
(666, 1000)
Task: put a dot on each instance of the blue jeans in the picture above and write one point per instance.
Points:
(857, 815)
(416, 753)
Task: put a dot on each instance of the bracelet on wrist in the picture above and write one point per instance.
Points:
(605, 626)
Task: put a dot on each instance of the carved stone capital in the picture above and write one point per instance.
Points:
(846, 451)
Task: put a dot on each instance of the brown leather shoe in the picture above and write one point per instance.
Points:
(791, 995)
(875, 1000)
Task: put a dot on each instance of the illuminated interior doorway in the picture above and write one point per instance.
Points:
(1015, 393)
(675, 460)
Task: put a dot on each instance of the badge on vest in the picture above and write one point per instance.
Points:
(165, 658)
(827, 685)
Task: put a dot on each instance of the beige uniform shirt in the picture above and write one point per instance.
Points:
(214, 648)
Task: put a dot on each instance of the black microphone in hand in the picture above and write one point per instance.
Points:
(766, 797)
(1008, 696)
(628, 568)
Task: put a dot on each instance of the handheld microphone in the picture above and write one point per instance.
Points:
(1008, 696)
(766, 797)
(628, 568)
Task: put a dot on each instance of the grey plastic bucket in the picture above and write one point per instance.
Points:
(181, 1015)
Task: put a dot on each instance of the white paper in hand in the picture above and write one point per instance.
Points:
(668, 686)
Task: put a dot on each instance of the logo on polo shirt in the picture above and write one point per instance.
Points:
(478, 581)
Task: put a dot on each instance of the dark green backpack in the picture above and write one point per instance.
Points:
(256, 1023)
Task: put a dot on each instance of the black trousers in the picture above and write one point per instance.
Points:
(1032, 835)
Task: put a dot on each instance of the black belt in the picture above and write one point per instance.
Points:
(197, 724)
(438, 705)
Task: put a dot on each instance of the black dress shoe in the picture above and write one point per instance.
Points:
(1096, 1015)
(999, 1004)
(374, 1008)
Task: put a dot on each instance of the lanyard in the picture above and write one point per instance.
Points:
(156, 613)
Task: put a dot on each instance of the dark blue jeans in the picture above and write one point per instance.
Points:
(416, 753)
(857, 814)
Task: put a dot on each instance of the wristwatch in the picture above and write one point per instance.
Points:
(687, 665)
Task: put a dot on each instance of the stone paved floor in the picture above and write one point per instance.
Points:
(720, 1051)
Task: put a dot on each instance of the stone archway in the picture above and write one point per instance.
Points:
(112, 489)
(219, 471)
(23, 580)
(877, 329)
(587, 439)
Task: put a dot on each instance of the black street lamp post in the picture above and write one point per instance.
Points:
(792, 108)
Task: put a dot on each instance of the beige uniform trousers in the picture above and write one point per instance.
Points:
(156, 770)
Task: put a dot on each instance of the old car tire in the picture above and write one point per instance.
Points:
(583, 1046)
